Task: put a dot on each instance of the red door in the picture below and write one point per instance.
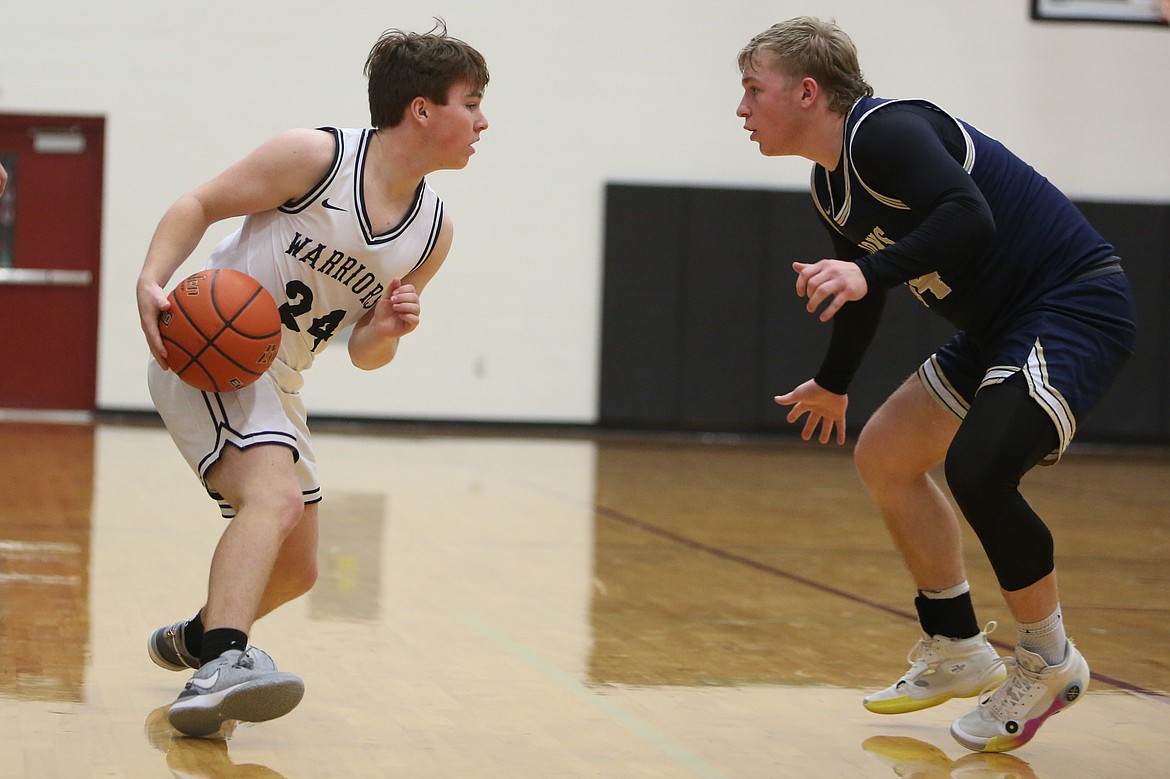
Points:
(50, 250)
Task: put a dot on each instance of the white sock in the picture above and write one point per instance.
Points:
(948, 593)
(1046, 638)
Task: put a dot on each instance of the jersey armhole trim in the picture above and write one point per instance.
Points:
(968, 159)
(433, 238)
(306, 200)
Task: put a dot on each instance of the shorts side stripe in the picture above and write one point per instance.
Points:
(1036, 372)
(225, 434)
(998, 375)
(937, 386)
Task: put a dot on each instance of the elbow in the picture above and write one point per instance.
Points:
(979, 222)
(370, 359)
(984, 228)
(368, 362)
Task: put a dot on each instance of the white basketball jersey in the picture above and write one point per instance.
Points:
(319, 256)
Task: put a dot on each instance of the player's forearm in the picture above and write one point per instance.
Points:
(957, 231)
(178, 233)
(854, 327)
(368, 350)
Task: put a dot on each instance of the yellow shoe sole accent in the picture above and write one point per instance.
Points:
(905, 705)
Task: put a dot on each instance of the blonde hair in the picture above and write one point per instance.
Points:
(805, 46)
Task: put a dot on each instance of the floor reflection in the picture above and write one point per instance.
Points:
(349, 587)
(504, 608)
(913, 759)
(718, 565)
(755, 564)
(200, 757)
(44, 560)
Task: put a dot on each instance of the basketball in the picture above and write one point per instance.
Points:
(222, 331)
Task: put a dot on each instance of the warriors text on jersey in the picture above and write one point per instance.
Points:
(319, 255)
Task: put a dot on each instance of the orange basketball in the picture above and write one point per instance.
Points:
(222, 331)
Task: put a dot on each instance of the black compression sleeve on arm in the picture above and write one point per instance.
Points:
(908, 152)
(854, 326)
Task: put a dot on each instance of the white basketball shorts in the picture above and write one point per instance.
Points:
(268, 411)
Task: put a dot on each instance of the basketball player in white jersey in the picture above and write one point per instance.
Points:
(342, 228)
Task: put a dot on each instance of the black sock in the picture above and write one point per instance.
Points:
(950, 617)
(193, 634)
(219, 640)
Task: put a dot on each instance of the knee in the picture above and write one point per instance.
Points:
(867, 457)
(290, 510)
(1017, 542)
(874, 457)
(974, 478)
(275, 504)
(283, 507)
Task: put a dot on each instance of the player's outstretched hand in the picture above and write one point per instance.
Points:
(835, 281)
(823, 408)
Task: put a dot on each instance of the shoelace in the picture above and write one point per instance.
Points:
(926, 649)
(921, 652)
(1007, 701)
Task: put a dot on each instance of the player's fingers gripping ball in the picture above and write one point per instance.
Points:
(222, 331)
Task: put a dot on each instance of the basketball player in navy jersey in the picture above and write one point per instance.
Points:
(342, 228)
(911, 195)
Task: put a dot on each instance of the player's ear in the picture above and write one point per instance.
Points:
(809, 89)
(418, 108)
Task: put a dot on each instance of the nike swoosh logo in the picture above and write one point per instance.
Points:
(330, 206)
(205, 684)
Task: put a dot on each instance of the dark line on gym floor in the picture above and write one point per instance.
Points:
(779, 573)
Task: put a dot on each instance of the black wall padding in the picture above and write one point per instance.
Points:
(702, 326)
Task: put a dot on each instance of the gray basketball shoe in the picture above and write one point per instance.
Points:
(167, 647)
(242, 686)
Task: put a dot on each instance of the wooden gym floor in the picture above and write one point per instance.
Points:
(558, 606)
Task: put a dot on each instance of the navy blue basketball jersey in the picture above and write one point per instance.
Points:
(1040, 239)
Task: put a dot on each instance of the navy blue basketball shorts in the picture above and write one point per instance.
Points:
(1070, 345)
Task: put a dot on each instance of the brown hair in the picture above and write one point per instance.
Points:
(405, 65)
(805, 46)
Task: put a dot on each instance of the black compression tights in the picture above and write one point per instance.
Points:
(1004, 435)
